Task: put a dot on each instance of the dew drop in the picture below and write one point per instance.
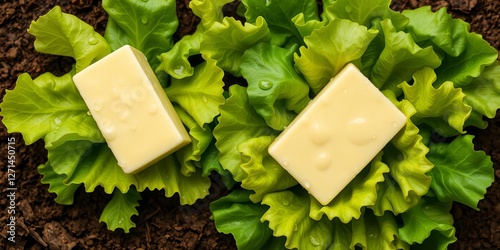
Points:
(285, 202)
(348, 9)
(57, 121)
(108, 130)
(268, 2)
(307, 184)
(265, 85)
(295, 227)
(179, 70)
(124, 115)
(285, 163)
(144, 20)
(92, 40)
(204, 99)
(120, 221)
(88, 113)
(323, 161)
(314, 241)
(98, 106)
(394, 124)
(138, 93)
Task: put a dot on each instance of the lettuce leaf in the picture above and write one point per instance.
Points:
(319, 61)
(41, 107)
(279, 14)
(62, 34)
(238, 122)
(205, 86)
(400, 58)
(437, 106)
(263, 174)
(277, 93)
(235, 214)
(64, 192)
(429, 224)
(483, 91)
(120, 209)
(460, 174)
(228, 52)
(148, 28)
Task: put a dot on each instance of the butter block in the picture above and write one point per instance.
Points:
(131, 109)
(339, 132)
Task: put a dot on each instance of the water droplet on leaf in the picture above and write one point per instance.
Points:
(144, 20)
(265, 85)
(348, 9)
(314, 241)
(92, 40)
(57, 121)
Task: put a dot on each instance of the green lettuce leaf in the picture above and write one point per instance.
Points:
(235, 214)
(482, 94)
(65, 192)
(320, 60)
(145, 25)
(277, 92)
(360, 192)
(376, 232)
(204, 87)
(37, 108)
(288, 216)
(209, 11)
(438, 29)
(237, 38)
(400, 58)
(238, 122)
(460, 173)
(429, 224)
(120, 209)
(263, 173)
(210, 162)
(439, 107)
(190, 155)
(462, 69)
(363, 12)
(62, 34)
(304, 27)
(279, 14)
(175, 62)
(406, 157)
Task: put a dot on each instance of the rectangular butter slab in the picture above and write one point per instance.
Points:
(341, 130)
(131, 109)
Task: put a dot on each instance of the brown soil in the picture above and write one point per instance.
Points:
(162, 223)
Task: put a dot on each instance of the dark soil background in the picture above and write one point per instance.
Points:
(162, 222)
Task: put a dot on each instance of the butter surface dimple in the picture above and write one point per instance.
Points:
(337, 134)
(131, 109)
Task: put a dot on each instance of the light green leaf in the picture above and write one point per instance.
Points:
(190, 155)
(145, 25)
(38, 107)
(210, 162)
(329, 49)
(288, 216)
(363, 12)
(376, 232)
(65, 192)
(360, 192)
(238, 122)
(120, 209)
(429, 224)
(444, 103)
(437, 28)
(235, 214)
(62, 34)
(460, 173)
(400, 58)
(406, 157)
(277, 92)
(483, 92)
(209, 11)
(304, 27)
(263, 174)
(226, 42)
(461, 70)
(279, 14)
(204, 87)
(175, 62)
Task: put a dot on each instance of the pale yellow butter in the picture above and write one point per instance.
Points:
(131, 109)
(341, 130)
